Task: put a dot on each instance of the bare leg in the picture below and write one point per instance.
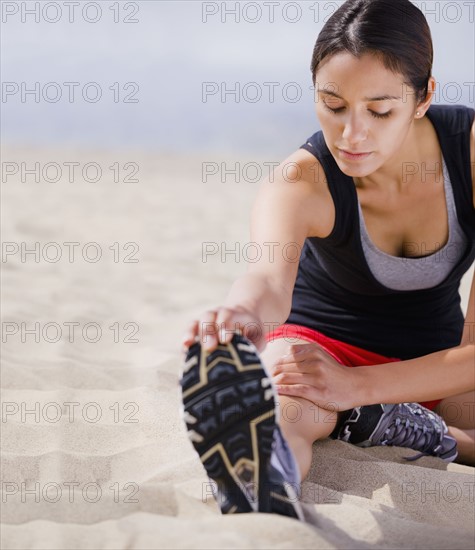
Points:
(458, 412)
(301, 421)
(465, 445)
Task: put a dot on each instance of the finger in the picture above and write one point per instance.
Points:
(226, 326)
(207, 330)
(314, 395)
(290, 358)
(300, 349)
(296, 390)
(280, 368)
(292, 378)
(190, 335)
(297, 353)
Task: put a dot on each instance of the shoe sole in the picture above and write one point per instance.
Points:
(229, 411)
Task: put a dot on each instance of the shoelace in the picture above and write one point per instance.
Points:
(426, 436)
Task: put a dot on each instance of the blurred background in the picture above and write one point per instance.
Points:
(185, 58)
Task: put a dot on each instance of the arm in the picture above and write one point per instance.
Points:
(283, 215)
(434, 376)
(309, 371)
(291, 205)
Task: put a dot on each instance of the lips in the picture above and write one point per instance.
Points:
(353, 156)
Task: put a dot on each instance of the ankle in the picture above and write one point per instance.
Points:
(465, 444)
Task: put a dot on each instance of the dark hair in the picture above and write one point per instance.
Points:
(396, 31)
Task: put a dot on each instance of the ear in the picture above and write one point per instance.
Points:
(425, 104)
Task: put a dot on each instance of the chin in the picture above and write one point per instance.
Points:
(353, 171)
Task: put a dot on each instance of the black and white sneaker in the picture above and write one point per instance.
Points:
(403, 425)
(229, 407)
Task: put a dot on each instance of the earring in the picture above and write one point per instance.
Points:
(418, 113)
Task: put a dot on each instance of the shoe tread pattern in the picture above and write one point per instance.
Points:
(229, 411)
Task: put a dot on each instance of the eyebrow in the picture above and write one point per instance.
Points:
(379, 98)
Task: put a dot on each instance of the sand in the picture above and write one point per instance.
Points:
(103, 460)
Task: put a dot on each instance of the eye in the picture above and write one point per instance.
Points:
(373, 113)
(380, 115)
(333, 110)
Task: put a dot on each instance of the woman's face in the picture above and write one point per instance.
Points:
(353, 119)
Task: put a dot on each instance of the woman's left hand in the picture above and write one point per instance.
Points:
(310, 372)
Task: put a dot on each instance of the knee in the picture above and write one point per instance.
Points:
(302, 418)
(458, 410)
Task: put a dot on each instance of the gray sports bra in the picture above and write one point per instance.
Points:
(417, 273)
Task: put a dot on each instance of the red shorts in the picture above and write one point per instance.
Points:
(346, 354)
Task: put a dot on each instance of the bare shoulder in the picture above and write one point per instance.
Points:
(472, 159)
(292, 203)
(302, 175)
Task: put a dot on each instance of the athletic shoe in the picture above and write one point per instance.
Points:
(229, 407)
(403, 425)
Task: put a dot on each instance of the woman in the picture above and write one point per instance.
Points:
(381, 204)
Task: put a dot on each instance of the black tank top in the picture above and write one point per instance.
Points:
(336, 293)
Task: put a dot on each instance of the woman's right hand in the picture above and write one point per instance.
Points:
(218, 325)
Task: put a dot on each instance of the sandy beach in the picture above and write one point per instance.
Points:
(94, 452)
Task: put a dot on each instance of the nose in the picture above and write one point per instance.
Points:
(355, 130)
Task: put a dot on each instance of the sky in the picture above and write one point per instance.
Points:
(185, 76)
